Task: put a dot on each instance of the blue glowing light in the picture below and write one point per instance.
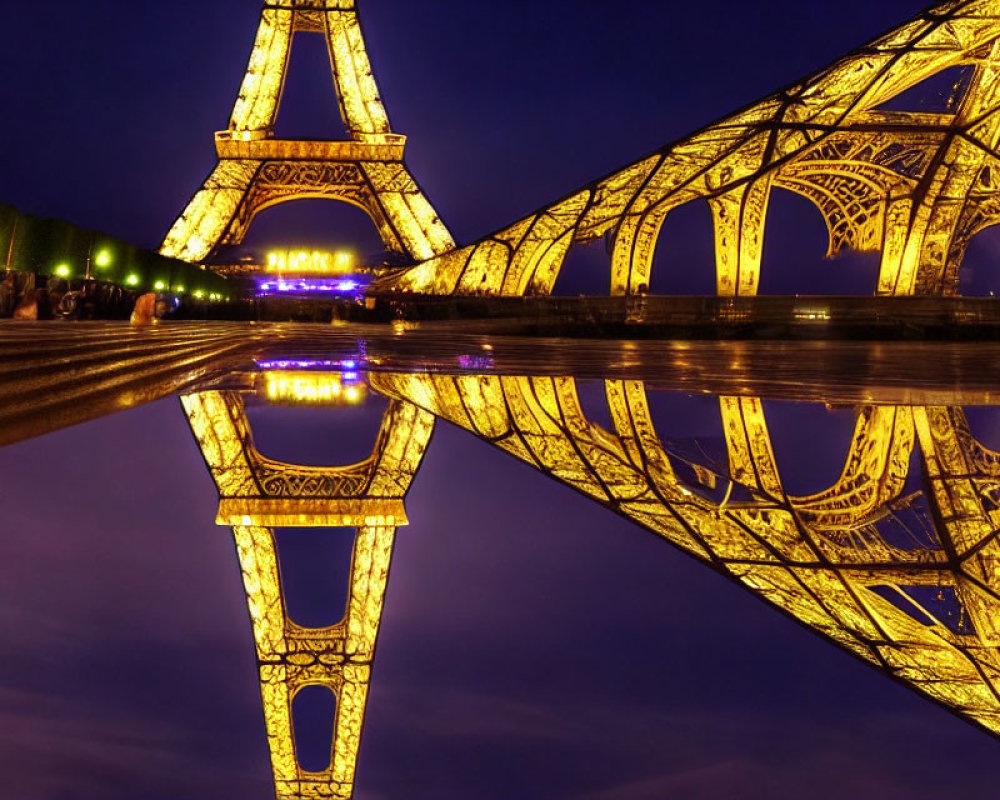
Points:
(312, 364)
(313, 286)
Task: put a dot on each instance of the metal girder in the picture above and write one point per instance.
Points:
(912, 185)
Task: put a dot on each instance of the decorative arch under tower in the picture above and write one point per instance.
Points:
(257, 170)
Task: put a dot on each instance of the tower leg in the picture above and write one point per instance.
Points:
(739, 218)
(338, 658)
(202, 225)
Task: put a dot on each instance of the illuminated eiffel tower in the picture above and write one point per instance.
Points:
(914, 186)
(256, 170)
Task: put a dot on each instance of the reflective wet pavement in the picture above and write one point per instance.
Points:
(865, 511)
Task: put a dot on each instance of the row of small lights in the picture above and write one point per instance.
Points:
(103, 259)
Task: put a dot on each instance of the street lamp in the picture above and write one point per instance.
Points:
(101, 260)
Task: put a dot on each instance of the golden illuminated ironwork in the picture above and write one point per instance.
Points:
(920, 604)
(256, 170)
(914, 185)
(918, 600)
(258, 494)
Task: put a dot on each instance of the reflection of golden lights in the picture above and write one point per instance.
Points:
(306, 262)
(313, 388)
(821, 314)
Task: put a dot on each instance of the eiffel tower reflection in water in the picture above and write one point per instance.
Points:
(895, 562)
(258, 495)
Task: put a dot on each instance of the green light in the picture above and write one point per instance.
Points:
(132, 280)
(63, 271)
(179, 289)
(199, 294)
(159, 286)
(103, 258)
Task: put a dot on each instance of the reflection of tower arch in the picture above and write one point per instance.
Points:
(842, 518)
(964, 477)
(256, 170)
(275, 494)
(873, 474)
(874, 470)
(258, 494)
(903, 610)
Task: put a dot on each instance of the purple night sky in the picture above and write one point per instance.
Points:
(542, 648)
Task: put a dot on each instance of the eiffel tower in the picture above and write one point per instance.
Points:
(256, 170)
(915, 186)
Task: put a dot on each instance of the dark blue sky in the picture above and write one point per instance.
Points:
(109, 107)
(539, 648)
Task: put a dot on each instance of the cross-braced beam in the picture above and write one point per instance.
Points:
(914, 186)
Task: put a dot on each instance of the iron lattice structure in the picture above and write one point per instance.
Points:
(259, 494)
(914, 186)
(915, 594)
(256, 170)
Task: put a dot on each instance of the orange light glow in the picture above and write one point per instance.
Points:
(310, 262)
(313, 388)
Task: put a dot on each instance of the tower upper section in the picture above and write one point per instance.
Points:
(361, 107)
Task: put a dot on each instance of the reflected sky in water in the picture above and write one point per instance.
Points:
(533, 643)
